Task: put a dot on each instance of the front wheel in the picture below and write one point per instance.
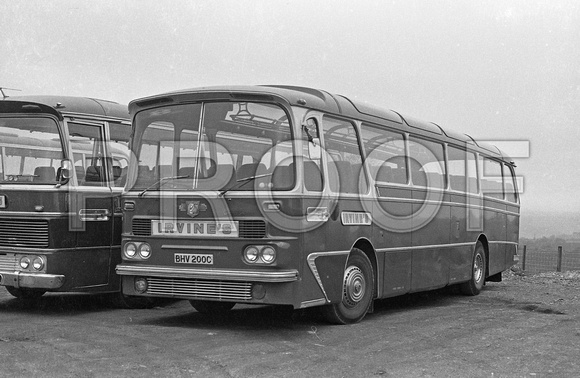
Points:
(357, 291)
(25, 293)
(475, 283)
(212, 308)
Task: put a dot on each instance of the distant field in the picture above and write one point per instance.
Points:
(539, 224)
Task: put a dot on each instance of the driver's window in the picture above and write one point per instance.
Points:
(313, 178)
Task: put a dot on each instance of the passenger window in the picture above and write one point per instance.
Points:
(491, 179)
(342, 144)
(510, 184)
(119, 152)
(427, 163)
(462, 169)
(385, 154)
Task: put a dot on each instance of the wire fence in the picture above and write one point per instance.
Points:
(560, 259)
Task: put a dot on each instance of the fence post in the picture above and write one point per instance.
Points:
(524, 258)
(559, 264)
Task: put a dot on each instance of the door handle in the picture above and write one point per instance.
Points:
(95, 215)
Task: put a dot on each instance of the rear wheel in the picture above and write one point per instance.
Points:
(25, 293)
(475, 284)
(357, 291)
(212, 308)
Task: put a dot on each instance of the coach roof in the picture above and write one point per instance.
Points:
(311, 98)
(76, 105)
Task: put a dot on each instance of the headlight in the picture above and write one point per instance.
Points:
(259, 254)
(24, 262)
(145, 250)
(268, 254)
(38, 263)
(251, 254)
(130, 249)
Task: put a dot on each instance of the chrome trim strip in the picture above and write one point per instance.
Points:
(290, 275)
(313, 302)
(312, 265)
(195, 247)
(503, 242)
(417, 247)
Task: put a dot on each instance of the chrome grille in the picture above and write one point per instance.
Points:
(141, 227)
(205, 289)
(8, 262)
(252, 229)
(249, 229)
(24, 233)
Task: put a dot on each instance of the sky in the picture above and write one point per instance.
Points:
(505, 70)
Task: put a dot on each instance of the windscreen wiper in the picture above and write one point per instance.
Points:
(161, 182)
(243, 181)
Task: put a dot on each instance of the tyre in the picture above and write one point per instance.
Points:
(357, 291)
(212, 308)
(123, 301)
(475, 283)
(25, 293)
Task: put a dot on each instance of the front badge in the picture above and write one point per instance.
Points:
(192, 208)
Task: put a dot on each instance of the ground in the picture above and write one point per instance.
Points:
(524, 326)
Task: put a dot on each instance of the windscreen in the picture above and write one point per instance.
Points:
(214, 146)
(31, 150)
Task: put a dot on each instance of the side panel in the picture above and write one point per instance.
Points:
(495, 222)
(392, 208)
(431, 229)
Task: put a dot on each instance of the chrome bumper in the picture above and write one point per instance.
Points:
(210, 274)
(31, 280)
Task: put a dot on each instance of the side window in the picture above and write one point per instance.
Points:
(342, 144)
(88, 153)
(385, 154)
(491, 178)
(510, 184)
(427, 163)
(462, 168)
(118, 148)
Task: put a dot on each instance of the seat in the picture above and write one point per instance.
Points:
(94, 174)
(312, 177)
(283, 177)
(250, 170)
(44, 174)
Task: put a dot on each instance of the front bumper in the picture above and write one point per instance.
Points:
(31, 280)
(289, 275)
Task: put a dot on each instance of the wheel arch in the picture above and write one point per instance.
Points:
(369, 250)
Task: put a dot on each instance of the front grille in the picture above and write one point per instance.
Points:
(141, 227)
(252, 229)
(8, 262)
(203, 289)
(249, 229)
(31, 233)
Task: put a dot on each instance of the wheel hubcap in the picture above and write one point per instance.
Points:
(354, 286)
(478, 268)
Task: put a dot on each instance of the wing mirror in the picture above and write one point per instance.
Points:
(63, 174)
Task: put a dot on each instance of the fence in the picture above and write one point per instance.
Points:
(560, 259)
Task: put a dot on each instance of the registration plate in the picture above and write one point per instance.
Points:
(2, 202)
(193, 258)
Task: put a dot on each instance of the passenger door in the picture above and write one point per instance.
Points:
(91, 204)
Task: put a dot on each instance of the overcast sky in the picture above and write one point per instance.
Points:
(501, 70)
